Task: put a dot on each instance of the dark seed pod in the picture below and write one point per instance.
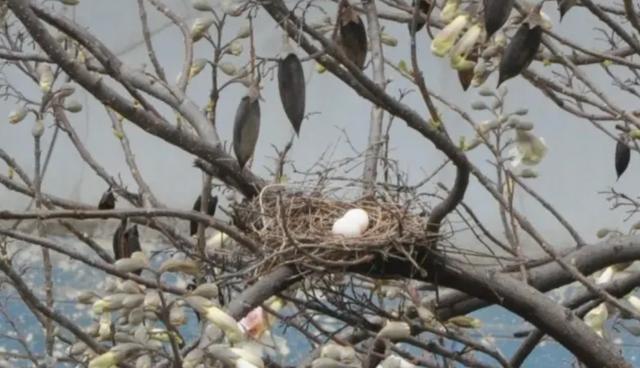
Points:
(496, 13)
(520, 51)
(466, 76)
(211, 210)
(246, 127)
(623, 156)
(564, 6)
(125, 243)
(108, 200)
(292, 89)
(424, 7)
(353, 35)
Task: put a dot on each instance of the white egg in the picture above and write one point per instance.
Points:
(360, 217)
(346, 227)
(352, 224)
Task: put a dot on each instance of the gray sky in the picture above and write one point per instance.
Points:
(579, 163)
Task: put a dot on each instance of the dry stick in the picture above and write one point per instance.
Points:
(50, 205)
(131, 162)
(627, 116)
(615, 26)
(581, 301)
(529, 229)
(146, 34)
(134, 199)
(574, 234)
(165, 317)
(108, 268)
(374, 143)
(232, 231)
(46, 258)
(188, 42)
(24, 290)
(204, 206)
(631, 14)
(208, 149)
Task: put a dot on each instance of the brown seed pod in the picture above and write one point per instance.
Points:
(623, 156)
(352, 35)
(292, 89)
(126, 242)
(520, 51)
(466, 75)
(211, 210)
(246, 126)
(564, 6)
(496, 13)
(107, 201)
(424, 7)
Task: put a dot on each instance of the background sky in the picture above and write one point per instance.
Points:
(579, 163)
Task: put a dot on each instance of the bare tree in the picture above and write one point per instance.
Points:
(283, 252)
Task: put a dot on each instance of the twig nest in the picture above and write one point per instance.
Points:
(312, 228)
(352, 224)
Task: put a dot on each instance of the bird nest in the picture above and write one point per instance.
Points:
(296, 227)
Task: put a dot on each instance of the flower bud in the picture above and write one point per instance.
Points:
(180, 265)
(45, 77)
(200, 27)
(196, 67)
(38, 129)
(235, 48)
(395, 330)
(228, 69)
(201, 5)
(73, 106)
(225, 322)
(18, 115)
(388, 40)
(244, 32)
(465, 322)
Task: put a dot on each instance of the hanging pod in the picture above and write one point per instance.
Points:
(424, 6)
(108, 200)
(211, 210)
(496, 13)
(564, 6)
(292, 88)
(126, 242)
(623, 156)
(466, 75)
(523, 46)
(246, 126)
(353, 36)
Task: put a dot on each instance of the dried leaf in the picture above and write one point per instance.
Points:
(108, 200)
(564, 6)
(211, 210)
(465, 76)
(246, 127)
(520, 51)
(496, 13)
(292, 89)
(425, 6)
(623, 156)
(353, 35)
